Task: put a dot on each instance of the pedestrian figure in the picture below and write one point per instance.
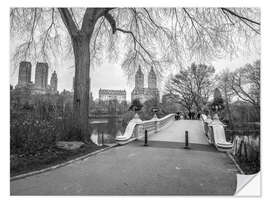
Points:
(198, 116)
(178, 115)
(192, 114)
(175, 116)
(189, 115)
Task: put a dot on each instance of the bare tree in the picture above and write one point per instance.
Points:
(192, 86)
(246, 84)
(180, 90)
(150, 36)
(202, 79)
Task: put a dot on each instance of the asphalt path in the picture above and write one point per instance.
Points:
(162, 168)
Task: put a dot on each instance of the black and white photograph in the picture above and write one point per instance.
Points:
(135, 100)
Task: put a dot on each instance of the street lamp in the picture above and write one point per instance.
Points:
(217, 105)
(155, 110)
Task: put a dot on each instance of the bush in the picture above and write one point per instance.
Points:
(37, 129)
(27, 135)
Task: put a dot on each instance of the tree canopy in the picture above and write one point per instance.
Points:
(160, 37)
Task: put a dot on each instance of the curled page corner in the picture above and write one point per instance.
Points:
(248, 185)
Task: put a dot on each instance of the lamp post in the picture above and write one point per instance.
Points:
(135, 107)
(155, 110)
(217, 105)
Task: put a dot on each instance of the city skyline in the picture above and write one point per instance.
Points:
(118, 80)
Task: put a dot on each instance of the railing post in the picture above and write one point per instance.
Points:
(136, 131)
(102, 138)
(134, 134)
(98, 137)
(145, 138)
(186, 140)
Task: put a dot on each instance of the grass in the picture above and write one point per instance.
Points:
(46, 158)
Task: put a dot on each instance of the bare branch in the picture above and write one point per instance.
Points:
(47, 32)
(134, 38)
(31, 34)
(241, 17)
(91, 16)
(68, 21)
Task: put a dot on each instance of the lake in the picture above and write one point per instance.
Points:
(110, 128)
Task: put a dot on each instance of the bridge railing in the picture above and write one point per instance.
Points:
(136, 127)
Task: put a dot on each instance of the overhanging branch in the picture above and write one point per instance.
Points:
(112, 23)
(241, 17)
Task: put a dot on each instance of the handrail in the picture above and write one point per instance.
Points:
(136, 127)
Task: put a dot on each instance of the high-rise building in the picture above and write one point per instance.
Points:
(152, 79)
(139, 78)
(53, 82)
(41, 76)
(142, 93)
(24, 73)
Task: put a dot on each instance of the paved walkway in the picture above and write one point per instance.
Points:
(162, 168)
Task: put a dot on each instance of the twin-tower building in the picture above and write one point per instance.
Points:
(41, 85)
(145, 93)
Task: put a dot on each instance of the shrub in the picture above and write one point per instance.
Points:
(28, 135)
(37, 128)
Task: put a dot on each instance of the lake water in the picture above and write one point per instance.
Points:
(110, 128)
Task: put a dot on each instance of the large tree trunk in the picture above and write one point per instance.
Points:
(80, 42)
(81, 85)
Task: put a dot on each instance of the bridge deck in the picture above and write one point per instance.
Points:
(176, 132)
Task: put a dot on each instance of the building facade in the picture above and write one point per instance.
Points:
(142, 93)
(107, 95)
